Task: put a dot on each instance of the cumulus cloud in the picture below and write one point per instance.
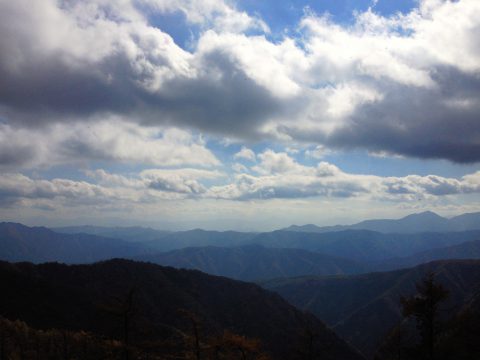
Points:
(421, 90)
(272, 162)
(182, 181)
(219, 14)
(432, 185)
(94, 57)
(107, 140)
(239, 168)
(280, 176)
(15, 187)
(318, 152)
(245, 153)
(105, 189)
(406, 84)
(277, 178)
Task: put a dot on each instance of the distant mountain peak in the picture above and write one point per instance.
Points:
(426, 221)
(425, 214)
(306, 227)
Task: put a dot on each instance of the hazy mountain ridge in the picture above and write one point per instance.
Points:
(422, 222)
(80, 296)
(128, 233)
(39, 244)
(465, 250)
(199, 237)
(362, 308)
(255, 262)
(364, 245)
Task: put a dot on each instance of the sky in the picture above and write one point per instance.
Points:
(248, 115)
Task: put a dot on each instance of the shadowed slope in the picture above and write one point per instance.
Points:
(83, 296)
(362, 308)
(255, 262)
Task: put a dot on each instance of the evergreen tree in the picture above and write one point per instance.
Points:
(424, 307)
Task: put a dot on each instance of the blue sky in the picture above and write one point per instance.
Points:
(282, 17)
(242, 115)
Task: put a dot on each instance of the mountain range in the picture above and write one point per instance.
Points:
(422, 222)
(199, 237)
(325, 271)
(364, 245)
(244, 256)
(153, 303)
(466, 250)
(255, 262)
(39, 244)
(363, 308)
(127, 233)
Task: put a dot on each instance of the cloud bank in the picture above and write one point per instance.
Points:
(276, 176)
(406, 84)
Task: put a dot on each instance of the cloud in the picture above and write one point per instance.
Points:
(218, 14)
(15, 187)
(182, 181)
(278, 179)
(418, 92)
(116, 62)
(443, 131)
(318, 152)
(185, 181)
(272, 162)
(245, 153)
(280, 176)
(110, 140)
(433, 185)
(106, 189)
(177, 185)
(239, 168)
(406, 84)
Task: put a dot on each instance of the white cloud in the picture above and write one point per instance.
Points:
(272, 162)
(222, 15)
(181, 181)
(110, 190)
(172, 193)
(239, 168)
(245, 153)
(112, 140)
(14, 187)
(319, 152)
(280, 176)
(432, 185)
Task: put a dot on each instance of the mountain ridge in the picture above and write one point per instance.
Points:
(82, 297)
(254, 262)
(40, 244)
(362, 308)
(420, 222)
(464, 250)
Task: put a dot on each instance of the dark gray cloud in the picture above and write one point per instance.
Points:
(225, 100)
(230, 104)
(49, 89)
(14, 156)
(441, 123)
